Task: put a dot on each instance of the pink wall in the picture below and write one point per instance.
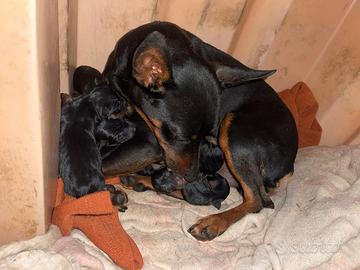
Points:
(312, 41)
(29, 116)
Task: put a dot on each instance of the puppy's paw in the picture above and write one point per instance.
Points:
(118, 197)
(136, 182)
(124, 134)
(208, 228)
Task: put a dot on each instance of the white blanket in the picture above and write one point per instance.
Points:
(315, 224)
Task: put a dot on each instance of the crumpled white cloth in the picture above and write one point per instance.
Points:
(315, 224)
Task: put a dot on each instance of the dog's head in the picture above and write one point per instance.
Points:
(177, 92)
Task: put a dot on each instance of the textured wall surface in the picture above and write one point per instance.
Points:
(29, 115)
(305, 40)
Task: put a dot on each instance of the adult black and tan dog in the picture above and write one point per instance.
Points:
(85, 122)
(189, 92)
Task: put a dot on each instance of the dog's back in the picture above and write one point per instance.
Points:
(266, 129)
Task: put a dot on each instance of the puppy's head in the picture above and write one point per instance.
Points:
(166, 182)
(210, 190)
(86, 78)
(107, 104)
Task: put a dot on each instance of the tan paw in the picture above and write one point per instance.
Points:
(208, 228)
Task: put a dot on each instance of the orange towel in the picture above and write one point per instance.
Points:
(94, 215)
(303, 107)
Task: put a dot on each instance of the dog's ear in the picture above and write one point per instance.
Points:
(216, 203)
(150, 67)
(65, 98)
(229, 71)
(233, 76)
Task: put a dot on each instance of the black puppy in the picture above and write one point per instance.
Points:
(85, 80)
(85, 120)
(143, 150)
(189, 92)
(207, 190)
(212, 189)
(135, 154)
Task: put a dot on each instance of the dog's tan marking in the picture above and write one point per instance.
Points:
(114, 169)
(280, 182)
(151, 122)
(176, 194)
(224, 145)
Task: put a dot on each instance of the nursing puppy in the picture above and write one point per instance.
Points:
(144, 154)
(207, 190)
(86, 120)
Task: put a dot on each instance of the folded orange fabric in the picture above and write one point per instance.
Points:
(95, 216)
(303, 107)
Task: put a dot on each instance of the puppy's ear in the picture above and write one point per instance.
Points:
(150, 67)
(233, 76)
(65, 98)
(216, 203)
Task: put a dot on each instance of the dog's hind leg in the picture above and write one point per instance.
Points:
(250, 179)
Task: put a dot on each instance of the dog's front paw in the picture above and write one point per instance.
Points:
(208, 228)
(118, 197)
